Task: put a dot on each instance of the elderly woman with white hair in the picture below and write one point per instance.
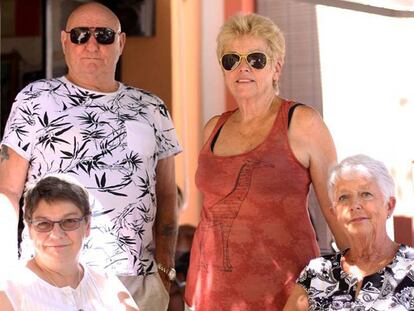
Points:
(374, 273)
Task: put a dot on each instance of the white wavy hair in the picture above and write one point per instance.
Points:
(367, 166)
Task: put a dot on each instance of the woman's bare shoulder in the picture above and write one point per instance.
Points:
(306, 115)
(307, 122)
(209, 127)
(309, 137)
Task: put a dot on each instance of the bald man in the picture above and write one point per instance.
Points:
(117, 140)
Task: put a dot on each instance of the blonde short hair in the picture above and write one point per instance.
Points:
(256, 26)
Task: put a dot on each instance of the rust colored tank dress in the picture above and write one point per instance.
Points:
(255, 233)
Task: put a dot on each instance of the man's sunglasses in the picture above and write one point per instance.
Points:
(67, 224)
(81, 35)
(255, 60)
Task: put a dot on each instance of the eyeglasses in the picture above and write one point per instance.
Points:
(67, 224)
(81, 35)
(255, 60)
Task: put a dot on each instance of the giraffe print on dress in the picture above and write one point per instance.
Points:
(225, 211)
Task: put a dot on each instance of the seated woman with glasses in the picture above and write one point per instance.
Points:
(254, 170)
(57, 213)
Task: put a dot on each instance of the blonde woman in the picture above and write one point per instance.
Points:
(255, 169)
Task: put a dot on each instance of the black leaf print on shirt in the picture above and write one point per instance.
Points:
(144, 186)
(19, 130)
(52, 131)
(29, 114)
(113, 189)
(77, 151)
(132, 161)
(81, 97)
(91, 119)
(101, 181)
(88, 135)
(163, 110)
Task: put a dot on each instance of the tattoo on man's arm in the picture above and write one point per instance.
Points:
(4, 153)
(168, 230)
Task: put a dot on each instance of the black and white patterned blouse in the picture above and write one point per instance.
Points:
(111, 143)
(331, 288)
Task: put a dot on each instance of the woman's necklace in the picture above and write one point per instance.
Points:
(46, 272)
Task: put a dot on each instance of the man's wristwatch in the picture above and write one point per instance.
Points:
(170, 272)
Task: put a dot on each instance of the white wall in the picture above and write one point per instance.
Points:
(367, 64)
(213, 89)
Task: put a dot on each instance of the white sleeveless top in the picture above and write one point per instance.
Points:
(96, 291)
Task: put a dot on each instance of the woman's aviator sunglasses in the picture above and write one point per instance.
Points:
(255, 60)
(81, 35)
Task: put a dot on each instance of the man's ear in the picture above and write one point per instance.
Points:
(63, 40)
(122, 39)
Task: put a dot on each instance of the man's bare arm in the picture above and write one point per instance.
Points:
(166, 224)
(13, 172)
